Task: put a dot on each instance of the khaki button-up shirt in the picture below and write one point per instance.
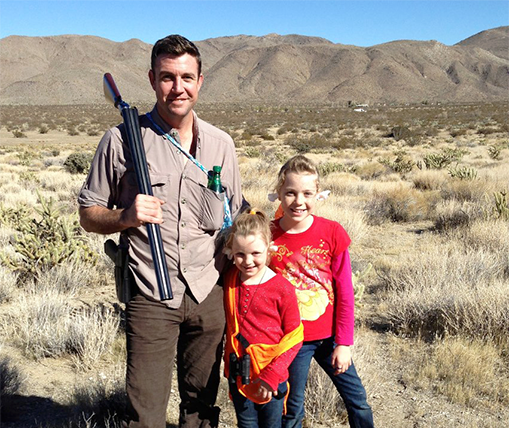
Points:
(192, 213)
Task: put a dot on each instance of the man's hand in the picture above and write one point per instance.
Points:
(145, 209)
(341, 359)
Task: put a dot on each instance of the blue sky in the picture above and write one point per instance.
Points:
(360, 23)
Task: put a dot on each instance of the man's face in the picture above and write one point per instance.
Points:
(176, 82)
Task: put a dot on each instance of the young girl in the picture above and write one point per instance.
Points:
(263, 327)
(312, 253)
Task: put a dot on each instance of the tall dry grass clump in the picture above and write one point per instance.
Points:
(447, 289)
(399, 202)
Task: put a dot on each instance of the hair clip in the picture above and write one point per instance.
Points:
(228, 253)
(272, 197)
(322, 196)
(252, 212)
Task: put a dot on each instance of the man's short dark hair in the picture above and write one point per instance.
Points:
(175, 45)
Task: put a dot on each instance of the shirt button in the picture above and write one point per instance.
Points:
(184, 270)
(183, 246)
(183, 224)
(184, 200)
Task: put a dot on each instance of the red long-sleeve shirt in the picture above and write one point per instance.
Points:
(265, 313)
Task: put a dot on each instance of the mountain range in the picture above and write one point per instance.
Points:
(68, 69)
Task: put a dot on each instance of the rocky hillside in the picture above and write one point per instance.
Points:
(273, 68)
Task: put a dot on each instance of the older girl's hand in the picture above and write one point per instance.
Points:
(341, 358)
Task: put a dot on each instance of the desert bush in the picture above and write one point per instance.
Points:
(41, 328)
(468, 372)
(78, 162)
(14, 216)
(92, 333)
(19, 134)
(46, 324)
(463, 173)
(8, 282)
(399, 204)
(43, 129)
(326, 168)
(501, 208)
(402, 164)
(26, 157)
(448, 289)
(252, 152)
(100, 401)
(465, 190)
(457, 132)
(68, 278)
(370, 170)
(442, 159)
(429, 180)
(452, 214)
(494, 152)
(322, 402)
(487, 130)
(50, 241)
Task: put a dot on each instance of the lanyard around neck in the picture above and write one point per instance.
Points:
(227, 213)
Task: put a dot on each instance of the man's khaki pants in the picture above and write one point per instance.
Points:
(154, 334)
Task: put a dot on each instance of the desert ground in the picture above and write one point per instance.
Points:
(422, 190)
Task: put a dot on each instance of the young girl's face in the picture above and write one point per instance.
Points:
(250, 256)
(298, 196)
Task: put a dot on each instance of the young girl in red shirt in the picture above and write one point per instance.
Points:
(263, 327)
(312, 253)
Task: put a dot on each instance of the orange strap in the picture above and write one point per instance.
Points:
(261, 354)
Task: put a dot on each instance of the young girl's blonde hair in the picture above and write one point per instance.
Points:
(298, 164)
(251, 222)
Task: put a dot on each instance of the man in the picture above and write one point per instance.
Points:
(191, 325)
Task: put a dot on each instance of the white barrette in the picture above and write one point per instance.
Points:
(322, 196)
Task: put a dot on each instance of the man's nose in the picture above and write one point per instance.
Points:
(177, 85)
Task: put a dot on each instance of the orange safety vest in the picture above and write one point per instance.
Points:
(261, 354)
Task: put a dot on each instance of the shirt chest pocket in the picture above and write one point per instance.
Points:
(208, 205)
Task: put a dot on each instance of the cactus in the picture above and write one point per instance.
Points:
(358, 285)
(494, 152)
(463, 173)
(45, 243)
(501, 208)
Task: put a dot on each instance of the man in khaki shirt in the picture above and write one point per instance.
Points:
(191, 325)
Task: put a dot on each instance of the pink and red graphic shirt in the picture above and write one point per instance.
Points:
(317, 264)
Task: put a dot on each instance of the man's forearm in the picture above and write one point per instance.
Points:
(102, 220)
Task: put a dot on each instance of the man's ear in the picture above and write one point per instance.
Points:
(152, 79)
(200, 82)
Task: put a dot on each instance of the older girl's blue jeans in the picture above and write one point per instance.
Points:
(348, 384)
(251, 415)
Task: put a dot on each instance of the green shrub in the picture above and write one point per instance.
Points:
(327, 168)
(18, 134)
(463, 173)
(43, 129)
(401, 164)
(494, 152)
(78, 162)
(52, 240)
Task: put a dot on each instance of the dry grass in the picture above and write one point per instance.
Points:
(433, 319)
